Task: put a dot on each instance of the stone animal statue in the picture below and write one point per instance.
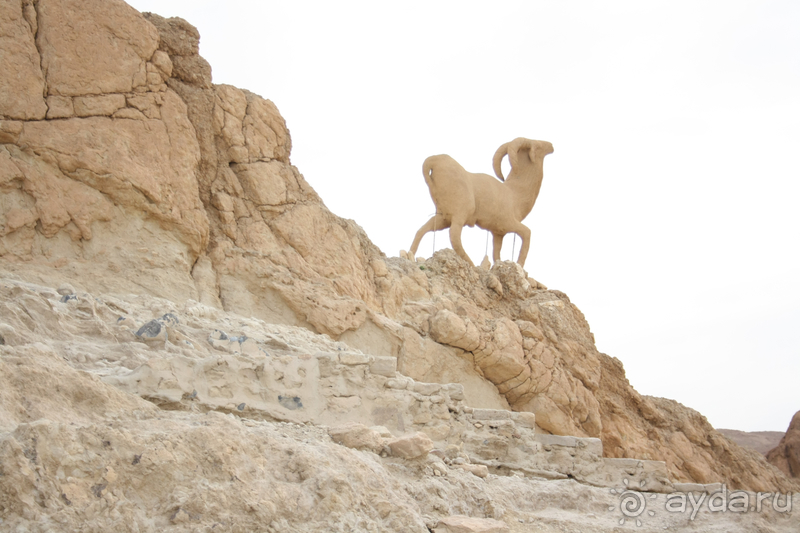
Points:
(466, 199)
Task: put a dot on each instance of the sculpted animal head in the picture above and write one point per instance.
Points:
(521, 153)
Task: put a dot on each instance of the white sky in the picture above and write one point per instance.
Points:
(668, 211)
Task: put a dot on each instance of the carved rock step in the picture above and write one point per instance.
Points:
(636, 474)
(709, 488)
(590, 445)
(335, 388)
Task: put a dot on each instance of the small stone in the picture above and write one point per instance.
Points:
(455, 390)
(398, 384)
(379, 267)
(477, 470)
(411, 446)
(427, 389)
(126, 322)
(65, 289)
(162, 61)
(357, 436)
(170, 320)
(241, 406)
(493, 283)
(439, 468)
(290, 402)
(384, 366)
(438, 453)
(151, 330)
(383, 431)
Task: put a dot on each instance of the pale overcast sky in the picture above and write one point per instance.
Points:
(668, 211)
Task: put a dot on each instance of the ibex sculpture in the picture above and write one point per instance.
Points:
(466, 199)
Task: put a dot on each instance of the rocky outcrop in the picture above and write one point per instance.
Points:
(125, 170)
(786, 455)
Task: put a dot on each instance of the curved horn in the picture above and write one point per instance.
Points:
(520, 143)
(497, 160)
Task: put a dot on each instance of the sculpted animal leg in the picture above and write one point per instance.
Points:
(455, 241)
(524, 234)
(436, 223)
(497, 244)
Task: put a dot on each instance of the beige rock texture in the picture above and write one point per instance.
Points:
(468, 524)
(786, 455)
(760, 441)
(102, 429)
(467, 199)
(187, 333)
(22, 84)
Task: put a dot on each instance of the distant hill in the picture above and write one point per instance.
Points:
(760, 441)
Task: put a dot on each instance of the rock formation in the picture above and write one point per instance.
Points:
(187, 332)
(786, 455)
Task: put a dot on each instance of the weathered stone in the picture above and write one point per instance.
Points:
(129, 113)
(490, 414)
(411, 446)
(786, 455)
(427, 389)
(449, 328)
(384, 366)
(60, 107)
(188, 193)
(352, 358)
(21, 93)
(689, 487)
(357, 436)
(162, 62)
(125, 153)
(105, 105)
(477, 470)
(10, 131)
(92, 47)
(263, 182)
(524, 419)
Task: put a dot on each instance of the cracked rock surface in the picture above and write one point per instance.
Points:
(129, 177)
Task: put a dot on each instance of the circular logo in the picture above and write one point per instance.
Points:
(632, 503)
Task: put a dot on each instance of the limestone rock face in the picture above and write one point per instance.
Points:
(786, 455)
(125, 171)
(22, 83)
(92, 47)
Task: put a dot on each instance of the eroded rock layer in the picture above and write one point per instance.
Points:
(125, 170)
(786, 455)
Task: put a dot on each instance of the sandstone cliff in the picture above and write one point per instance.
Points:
(125, 171)
(786, 455)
